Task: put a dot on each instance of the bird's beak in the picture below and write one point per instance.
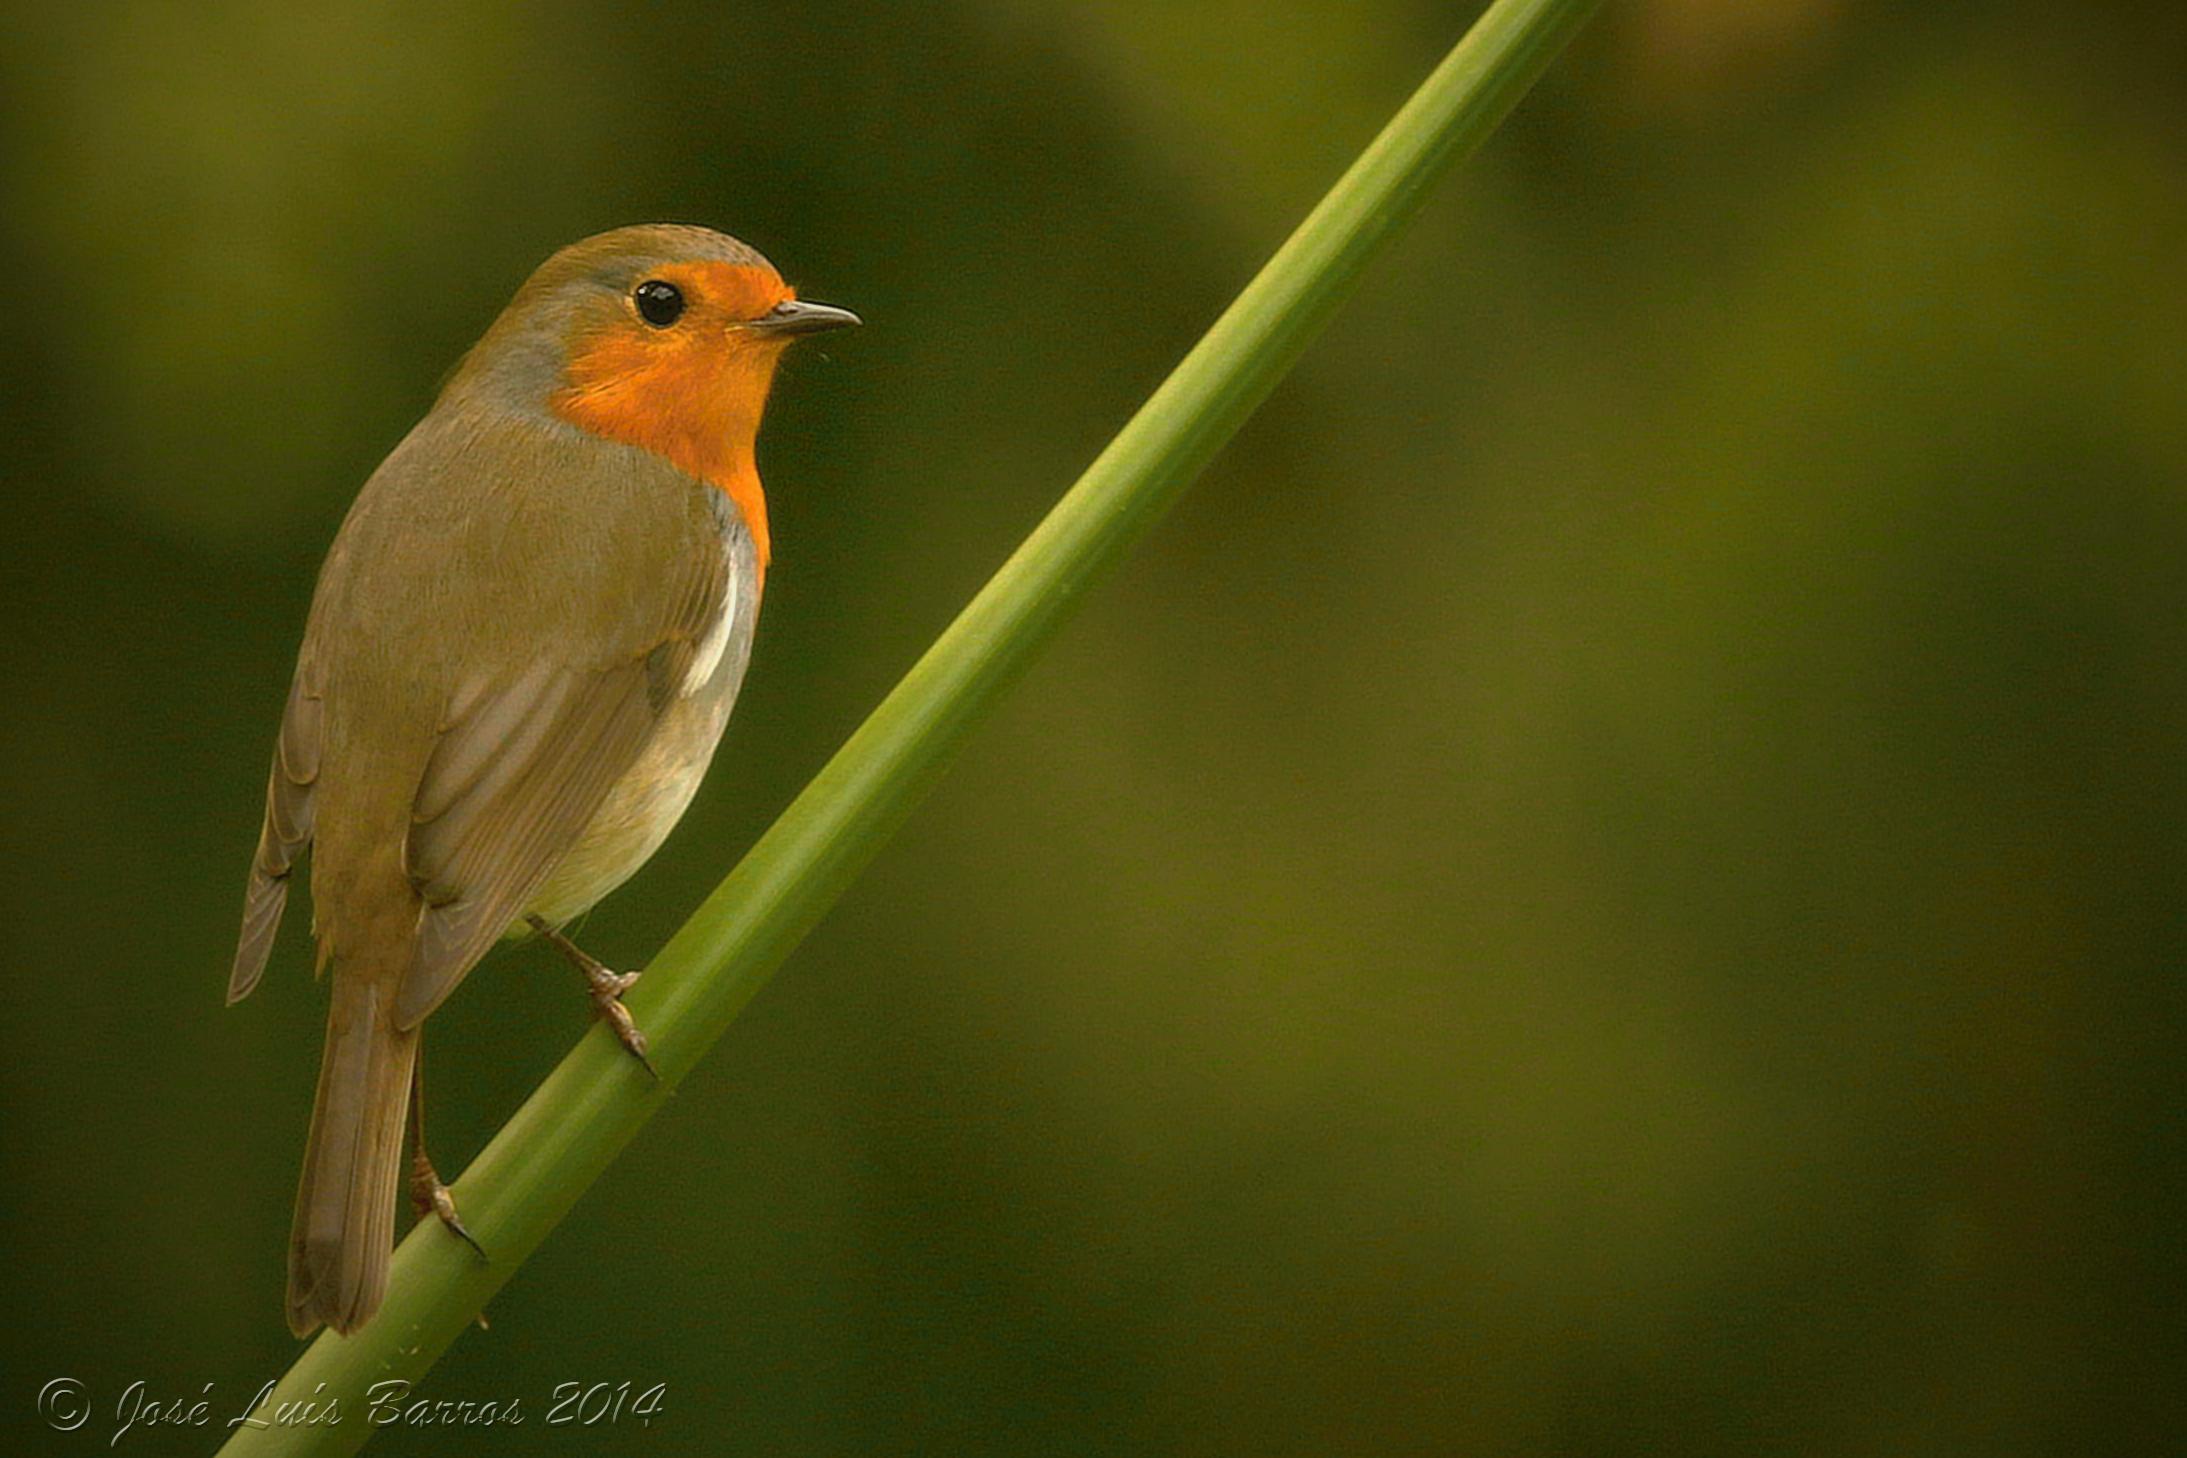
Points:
(802, 316)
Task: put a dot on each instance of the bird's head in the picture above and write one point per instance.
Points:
(662, 336)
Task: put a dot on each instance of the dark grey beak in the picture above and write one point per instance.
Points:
(801, 316)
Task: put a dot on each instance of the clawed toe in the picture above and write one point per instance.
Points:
(627, 1031)
(607, 988)
(614, 984)
(428, 1196)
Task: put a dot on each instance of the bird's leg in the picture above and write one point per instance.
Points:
(607, 987)
(427, 1194)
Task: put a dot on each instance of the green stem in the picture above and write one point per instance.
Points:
(580, 1118)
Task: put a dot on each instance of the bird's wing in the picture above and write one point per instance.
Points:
(522, 765)
(287, 829)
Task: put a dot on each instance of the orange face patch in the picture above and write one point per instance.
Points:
(691, 391)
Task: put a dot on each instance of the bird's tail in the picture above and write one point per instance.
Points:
(345, 1207)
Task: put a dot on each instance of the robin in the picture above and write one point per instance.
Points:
(522, 650)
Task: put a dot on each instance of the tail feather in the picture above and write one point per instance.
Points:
(345, 1206)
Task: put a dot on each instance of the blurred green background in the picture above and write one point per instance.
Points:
(1610, 883)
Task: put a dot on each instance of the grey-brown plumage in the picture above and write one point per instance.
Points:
(524, 644)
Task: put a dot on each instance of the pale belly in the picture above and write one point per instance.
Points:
(636, 817)
(647, 802)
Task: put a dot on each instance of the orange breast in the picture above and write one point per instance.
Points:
(692, 394)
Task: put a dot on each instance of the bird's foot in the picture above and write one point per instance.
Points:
(428, 1196)
(607, 988)
(607, 997)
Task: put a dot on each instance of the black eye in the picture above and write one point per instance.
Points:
(659, 303)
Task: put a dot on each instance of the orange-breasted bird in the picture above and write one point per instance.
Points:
(522, 650)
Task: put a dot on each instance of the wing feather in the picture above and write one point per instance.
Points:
(285, 834)
(477, 705)
(510, 788)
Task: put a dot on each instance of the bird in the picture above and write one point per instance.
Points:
(523, 646)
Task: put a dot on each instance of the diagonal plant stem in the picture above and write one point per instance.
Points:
(576, 1122)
